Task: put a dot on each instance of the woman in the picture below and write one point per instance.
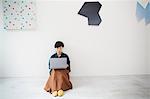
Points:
(59, 79)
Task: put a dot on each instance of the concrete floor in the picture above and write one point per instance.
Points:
(103, 87)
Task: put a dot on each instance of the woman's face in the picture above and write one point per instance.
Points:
(59, 50)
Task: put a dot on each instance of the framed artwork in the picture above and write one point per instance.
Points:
(143, 10)
(19, 14)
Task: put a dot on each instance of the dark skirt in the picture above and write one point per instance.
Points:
(59, 79)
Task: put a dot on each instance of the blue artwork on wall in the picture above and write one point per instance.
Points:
(91, 11)
(143, 10)
(19, 14)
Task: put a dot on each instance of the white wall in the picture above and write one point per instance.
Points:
(119, 46)
(148, 37)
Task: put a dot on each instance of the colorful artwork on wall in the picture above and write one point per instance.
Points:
(19, 14)
(91, 11)
(143, 10)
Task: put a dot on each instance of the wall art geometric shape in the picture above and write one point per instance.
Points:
(143, 11)
(19, 14)
(91, 11)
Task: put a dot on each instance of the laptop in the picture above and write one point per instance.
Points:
(58, 63)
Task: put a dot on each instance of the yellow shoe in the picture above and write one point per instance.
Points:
(54, 93)
(60, 93)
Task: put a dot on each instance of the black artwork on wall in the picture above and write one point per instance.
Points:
(91, 11)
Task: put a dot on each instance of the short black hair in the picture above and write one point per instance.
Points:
(59, 44)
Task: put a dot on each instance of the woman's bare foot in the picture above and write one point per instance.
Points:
(54, 93)
(60, 93)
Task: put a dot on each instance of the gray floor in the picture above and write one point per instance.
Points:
(103, 87)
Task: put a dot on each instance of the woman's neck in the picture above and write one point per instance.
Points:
(59, 54)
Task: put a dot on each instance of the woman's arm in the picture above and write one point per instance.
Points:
(53, 56)
(49, 67)
(68, 62)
